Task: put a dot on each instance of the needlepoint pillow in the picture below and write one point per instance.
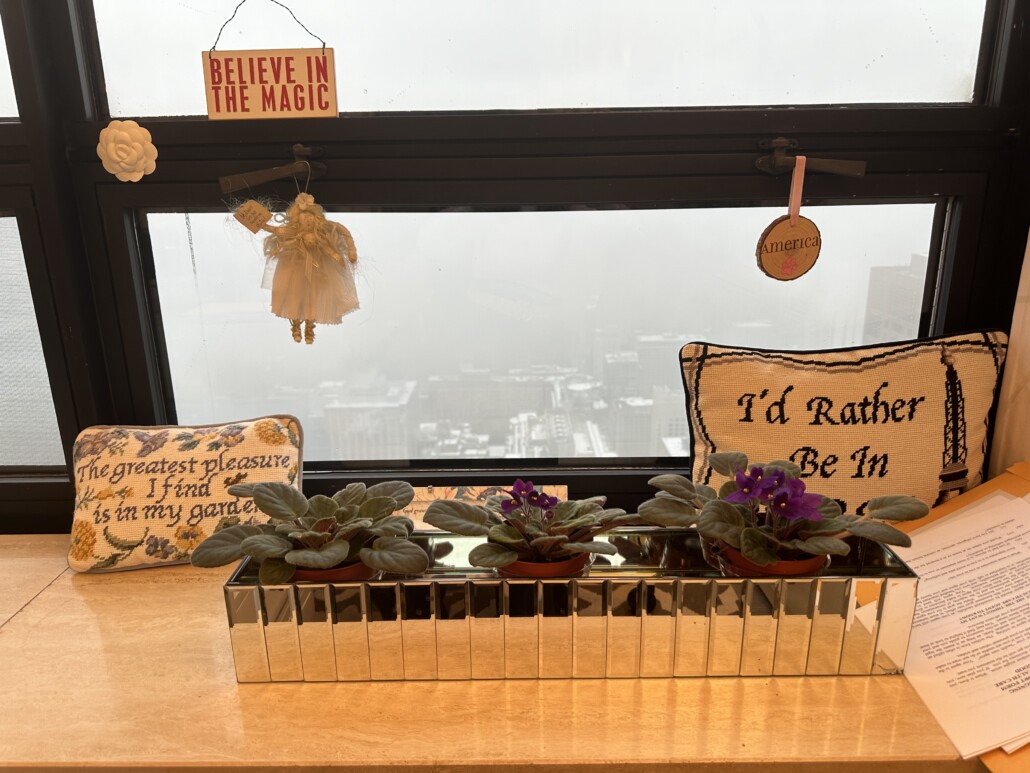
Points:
(147, 496)
(900, 418)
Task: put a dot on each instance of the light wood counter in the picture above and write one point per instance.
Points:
(134, 670)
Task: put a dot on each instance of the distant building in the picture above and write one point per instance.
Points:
(632, 427)
(894, 301)
(370, 422)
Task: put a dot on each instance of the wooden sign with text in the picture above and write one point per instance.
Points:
(275, 83)
(788, 251)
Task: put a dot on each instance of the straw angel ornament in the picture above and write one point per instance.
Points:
(310, 268)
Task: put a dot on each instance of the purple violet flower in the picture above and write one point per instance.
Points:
(749, 487)
(791, 502)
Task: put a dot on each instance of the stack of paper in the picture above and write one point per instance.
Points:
(969, 657)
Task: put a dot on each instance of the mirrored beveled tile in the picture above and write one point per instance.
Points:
(692, 627)
(521, 630)
(624, 610)
(658, 628)
(247, 633)
(861, 625)
(726, 635)
(899, 606)
(385, 640)
(418, 630)
(590, 629)
(350, 634)
(316, 633)
(453, 635)
(761, 617)
(282, 639)
(487, 629)
(556, 629)
(794, 627)
(831, 609)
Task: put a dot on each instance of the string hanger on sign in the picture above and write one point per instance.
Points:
(281, 5)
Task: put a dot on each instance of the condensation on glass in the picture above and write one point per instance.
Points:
(30, 435)
(520, 334)
(470, 55)
(627, 618)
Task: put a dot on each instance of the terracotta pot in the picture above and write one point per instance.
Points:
(352, 572)
(734, 564)
(566, 568)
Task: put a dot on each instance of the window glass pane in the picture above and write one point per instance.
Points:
(29, 433)
(475, 55)
(520, 334)
(8, 104)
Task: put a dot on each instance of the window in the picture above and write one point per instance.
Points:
(548, 200)
(470, 55)
(29, 435)
(486, 335)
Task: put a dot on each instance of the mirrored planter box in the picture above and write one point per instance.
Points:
(654, 610)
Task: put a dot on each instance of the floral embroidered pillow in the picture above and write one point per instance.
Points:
(902, 418)
(147, 496)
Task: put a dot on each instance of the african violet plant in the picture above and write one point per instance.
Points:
(767, 514)
(529, 525)
(355, 524)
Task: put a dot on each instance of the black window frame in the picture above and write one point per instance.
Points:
(93, 272)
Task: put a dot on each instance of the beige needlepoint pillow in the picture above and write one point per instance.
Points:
(900, 418)
(147, 496)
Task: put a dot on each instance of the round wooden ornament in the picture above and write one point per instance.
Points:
(788, 251)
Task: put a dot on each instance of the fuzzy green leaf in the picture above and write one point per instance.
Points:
(223, 547)
(399, 491)
(758, 547)
(353, 494)
(826, 526)
(727, 488)
(506, 535)
(830, 508)
(311, 539)
(721, 520)
(613, 515)
(242, 489)
(666, 511)
(896, 508)
(492, 555)
(346, 513)
(728, 462)
(880, 532)
(543, 544)
(676, 485)
(459, 517)
(324, 524)
(591, 547)
(377, 507)
(266, 546)
(579, 522)
(351, 527)
(321, 506)
(789, 469)
(394, 526)
(819, 546)
(324, 557)
(396, 555)
(280, 500)
(275, 571)
(705, 492)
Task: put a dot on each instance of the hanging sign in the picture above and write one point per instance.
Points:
(273, 83)
(787, 251)
(790, 245)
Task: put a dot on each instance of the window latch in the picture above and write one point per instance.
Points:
(778, 162)
(301, 166)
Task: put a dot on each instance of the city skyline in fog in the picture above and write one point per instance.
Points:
(453, 299)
